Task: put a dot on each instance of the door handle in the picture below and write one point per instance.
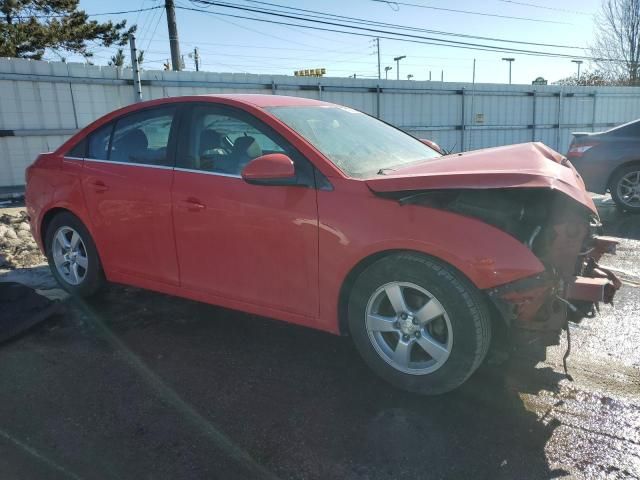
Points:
(99, 186)
(193, 204)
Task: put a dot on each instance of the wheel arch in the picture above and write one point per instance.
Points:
(50, 214)
(615, 171)
(47, 218)
(347, 285)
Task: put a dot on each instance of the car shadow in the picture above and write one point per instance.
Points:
(299, 403)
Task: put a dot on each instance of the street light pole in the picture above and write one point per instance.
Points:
(386, 72)
(397, 60)
(378, 48)
(579, 62)
(510, 60)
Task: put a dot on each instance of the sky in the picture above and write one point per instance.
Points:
(229, 44)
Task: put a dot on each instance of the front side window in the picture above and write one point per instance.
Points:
(357, 144)
(222, 142)
(143, 137)
(99, 143)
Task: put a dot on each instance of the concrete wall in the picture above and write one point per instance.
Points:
(42, 104)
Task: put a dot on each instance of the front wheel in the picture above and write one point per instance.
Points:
(625, 189)
(418, 323)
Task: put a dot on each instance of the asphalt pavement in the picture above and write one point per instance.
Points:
(139, 385)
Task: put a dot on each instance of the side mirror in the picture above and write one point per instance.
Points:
(270, 169)
(433, 145)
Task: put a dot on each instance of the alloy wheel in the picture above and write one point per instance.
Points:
(409, 328)
(628, 189)
(70, 255)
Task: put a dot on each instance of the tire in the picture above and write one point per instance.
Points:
(88, 279)
(458, 322)
(623, 182)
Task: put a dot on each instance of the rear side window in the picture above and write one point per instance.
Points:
(79, 151)
(99, 143)
(143, 137)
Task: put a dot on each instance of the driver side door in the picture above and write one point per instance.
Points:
(243, 244)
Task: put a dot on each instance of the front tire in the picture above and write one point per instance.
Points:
(418, 323)
(625, 189)
(72, 256)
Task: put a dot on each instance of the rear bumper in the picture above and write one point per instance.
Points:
(544, 301)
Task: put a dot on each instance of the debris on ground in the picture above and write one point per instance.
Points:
(17, 246)
(21, 308)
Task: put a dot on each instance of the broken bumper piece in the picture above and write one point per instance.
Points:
(544, 302)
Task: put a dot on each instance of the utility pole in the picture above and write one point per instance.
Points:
(397, 60)
(378, 48)
(196, 58)
(579, 62)
(137, 84)
(510, 60)
(386, 72)
(429, 75)
(173, 34)
(441, 76)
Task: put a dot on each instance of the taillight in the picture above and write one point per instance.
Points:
(577, 151)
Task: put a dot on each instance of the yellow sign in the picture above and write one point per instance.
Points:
(313, 72)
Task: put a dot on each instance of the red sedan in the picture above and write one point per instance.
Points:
(320, 215)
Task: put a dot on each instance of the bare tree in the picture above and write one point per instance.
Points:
(617, 44)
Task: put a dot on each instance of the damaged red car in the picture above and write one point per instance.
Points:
(319, 215)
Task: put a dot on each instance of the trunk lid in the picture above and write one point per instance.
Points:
(527, 165)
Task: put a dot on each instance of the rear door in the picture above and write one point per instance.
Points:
(127, 177)
(246, 243)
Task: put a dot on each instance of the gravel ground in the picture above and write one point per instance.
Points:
(17, 247)
(140, 385)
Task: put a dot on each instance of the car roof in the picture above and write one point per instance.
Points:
(261, 100)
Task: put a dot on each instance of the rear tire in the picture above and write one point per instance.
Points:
(625, 188)
(72, 256)
(418, 323)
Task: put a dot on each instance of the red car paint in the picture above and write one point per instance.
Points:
(284, 251)
(530, 165)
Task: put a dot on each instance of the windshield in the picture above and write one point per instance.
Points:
(356, 143)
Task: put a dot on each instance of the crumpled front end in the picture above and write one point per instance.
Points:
(560, 231)
(535, 195)
(573, 284)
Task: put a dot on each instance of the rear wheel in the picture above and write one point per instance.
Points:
(418, 323)
(625, 188)
(72, 255)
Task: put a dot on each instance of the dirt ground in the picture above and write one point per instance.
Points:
(139, 385)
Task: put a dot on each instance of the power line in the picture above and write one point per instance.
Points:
(471, 12)
(382, 33)
(122, 12)
(317, 14)
(153, 34)
(543, 7)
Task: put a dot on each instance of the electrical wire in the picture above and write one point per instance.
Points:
(543, 7)
(317, 14)
(386, 34)
(469, 12)
(155, 28)
(122, 12)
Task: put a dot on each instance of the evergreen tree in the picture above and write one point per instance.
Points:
(29, 27)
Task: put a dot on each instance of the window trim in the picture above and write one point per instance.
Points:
(171, 142)
(93, 132)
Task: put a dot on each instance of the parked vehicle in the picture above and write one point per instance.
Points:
(610, 162)
(320, 215)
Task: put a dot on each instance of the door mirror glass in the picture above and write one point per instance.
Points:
(270, 169)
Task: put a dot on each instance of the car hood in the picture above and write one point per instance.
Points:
(527, 165)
